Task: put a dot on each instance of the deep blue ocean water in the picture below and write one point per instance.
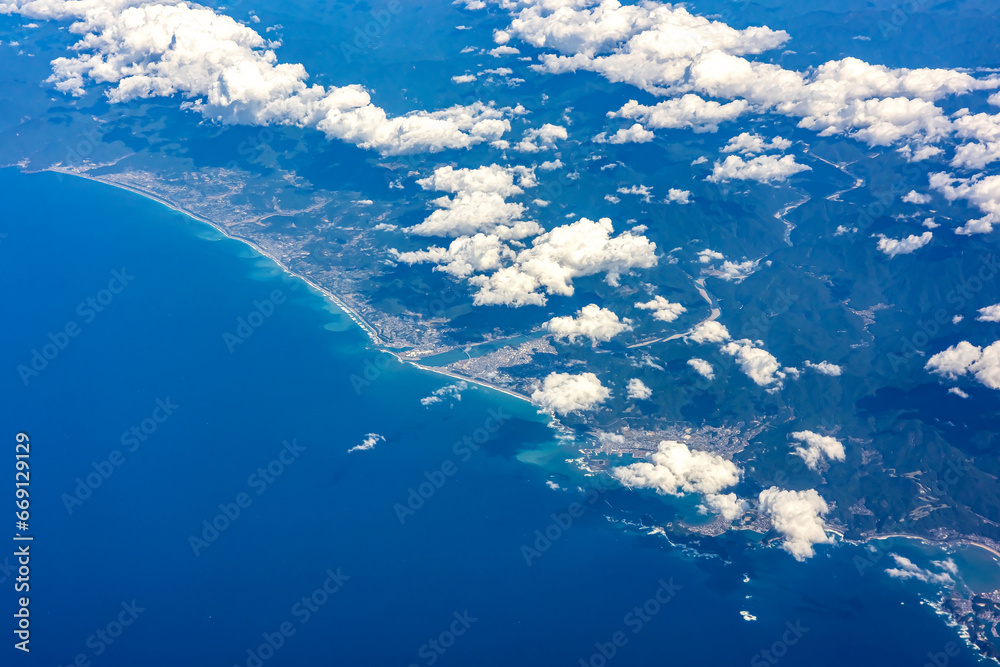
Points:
(399, 586)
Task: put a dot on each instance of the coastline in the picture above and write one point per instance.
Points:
(355, 316)
(923, 540)
(380, 343)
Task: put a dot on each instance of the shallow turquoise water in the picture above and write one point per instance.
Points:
(400, 584)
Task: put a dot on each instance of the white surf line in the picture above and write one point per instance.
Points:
(355, 316)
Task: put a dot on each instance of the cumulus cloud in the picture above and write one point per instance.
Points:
(911, 243)
(758, 364)
(763, 169)
(687, 112)
(453, 391)
(983, 192)
(480, 202)
(582, 248)
(637, 389)
(227, 72)
(702, 367)
(593, 322)
(674, 470)
(815, 448)
(369, 442)
(728, 270)
(662, 309)
(914, 197)
(749, 143)
(463, 257)
(963, 358)
(709, 332)
(665, 50)
(989, 313)
(825, 368)
(636, 134)
(907, 569)
(679, 196)
(798, 516)
(541, 138)
(728, 505)
(643, 191)
(563, 392)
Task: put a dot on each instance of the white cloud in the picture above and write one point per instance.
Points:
(550, 165)
(728, 505)
(463, 78)
(679, 196)
(911, 243)
(989, 313)
(825, 368)
(643, 191)
(665, 50)
(907, 569)
(227, 72)
(982, 192)
(914, 197)
(453, 391)
(763, 169)
(687, 112)
(963, 358)
(479, 204)
(637, 389)
(636, 134)
(749, 143)
(542, 138)
(798, 516)
(563, 392)
(709, 332)
(728, 270)
(958, 392)
(466, 255)
(581, 248)
(675, 470)
(663, 310)
(817, 447)
(503, 51)
(593, 322)
(702, 367)
(758, 364)
(369, 442)
(705, 256)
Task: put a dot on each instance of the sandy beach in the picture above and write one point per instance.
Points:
(330, 296)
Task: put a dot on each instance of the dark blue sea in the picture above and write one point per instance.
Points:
(193, 501)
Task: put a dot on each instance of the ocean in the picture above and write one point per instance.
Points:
(193, 501)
